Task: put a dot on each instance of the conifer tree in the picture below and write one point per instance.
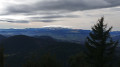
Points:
(100, 45)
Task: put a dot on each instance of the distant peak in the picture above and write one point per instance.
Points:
(55, 28)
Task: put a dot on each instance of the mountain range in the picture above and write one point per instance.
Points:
(64, 34)
(20, 44)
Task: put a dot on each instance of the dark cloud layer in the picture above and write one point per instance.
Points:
(25, 21)
(55, 16)
(62, 5)
(14, 21)
(53, 9)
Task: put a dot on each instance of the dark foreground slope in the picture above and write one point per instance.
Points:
(19, 48)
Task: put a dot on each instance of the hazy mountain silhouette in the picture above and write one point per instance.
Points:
(65, 34)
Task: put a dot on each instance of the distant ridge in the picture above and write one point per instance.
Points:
(65, 34)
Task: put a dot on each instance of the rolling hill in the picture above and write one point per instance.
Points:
(20, 47)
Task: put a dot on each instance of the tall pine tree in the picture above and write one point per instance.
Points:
(100, 45)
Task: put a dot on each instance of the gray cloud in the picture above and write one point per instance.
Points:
(50, 18)
(61, 16)
(115, 9)
(26, 21)
(55, 16)
(61, 5)
(55, 9)
(46, 20)
(113, 2)
(14, 21)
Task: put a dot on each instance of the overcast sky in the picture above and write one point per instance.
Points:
(78, 14)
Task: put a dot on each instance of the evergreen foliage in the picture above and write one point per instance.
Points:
(100, 45)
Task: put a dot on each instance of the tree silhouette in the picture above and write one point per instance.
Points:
(1, 56)
(100, 45)
(78, 60)
(45, 61)
(49, 61)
